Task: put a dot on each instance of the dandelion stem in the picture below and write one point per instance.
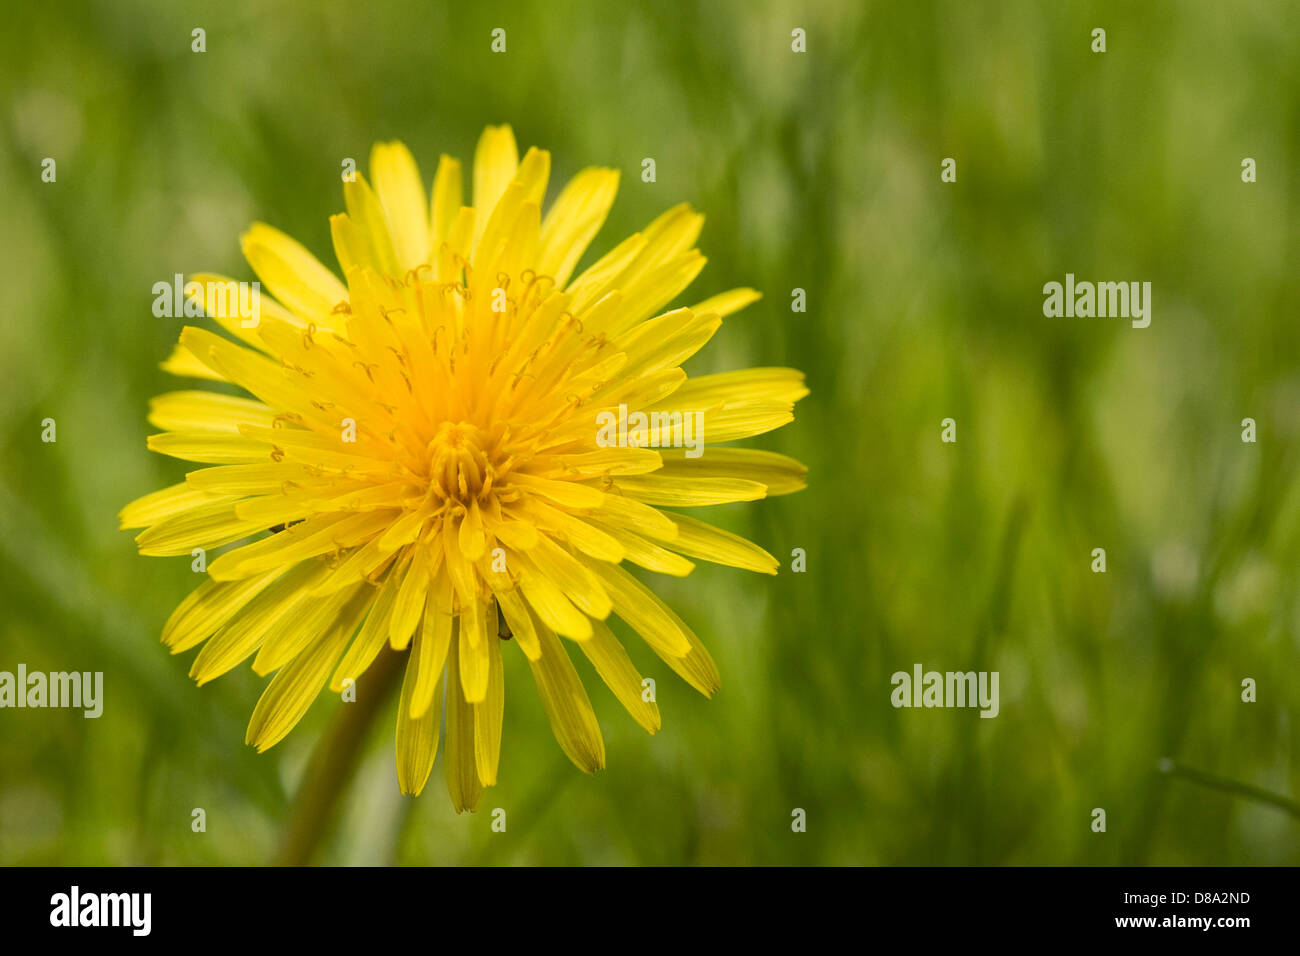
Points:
(334, 762)
(1223, 784)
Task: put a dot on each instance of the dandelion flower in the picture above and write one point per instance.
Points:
(421, 462)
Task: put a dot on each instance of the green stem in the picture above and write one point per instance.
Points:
(334, 762)
(1224, 785)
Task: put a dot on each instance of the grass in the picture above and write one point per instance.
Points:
(817, 171)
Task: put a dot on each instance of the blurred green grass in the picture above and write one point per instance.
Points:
(816, 171)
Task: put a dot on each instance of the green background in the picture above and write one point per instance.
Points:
(817, 171)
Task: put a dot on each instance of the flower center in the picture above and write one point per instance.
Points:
(459, 468)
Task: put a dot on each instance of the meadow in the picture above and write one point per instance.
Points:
(819, 171)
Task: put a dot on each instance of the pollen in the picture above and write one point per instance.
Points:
(461, 468)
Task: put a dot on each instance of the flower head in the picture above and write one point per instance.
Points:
(458, 443)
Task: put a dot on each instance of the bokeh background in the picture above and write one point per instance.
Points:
(817, 171)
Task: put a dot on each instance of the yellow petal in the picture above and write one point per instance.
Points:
(609, 461)
(475, 639)
(662, 629)
(373, 230)
(519, 250)
(571, 494)
(665, 265)
(209, 447)
(268, 380)
(647, 617)
(352, 247)
(317, 535)
(674, 492)
(745, 421)
(708, 543)
(748, 386)
(566, 704)
(372, 637)
(780, 474)
(550, 603)
(292, 274)
(367, 561)
(666, 341)
(639, 392)
(492, 244)
(409, 604)
(207, 412)
(257, 479)
(417, 735)
(600, 278)
(398, 185)
(653, 290)
(184, 363)
(307, 621)
(205, 526)
(403, 531)
(533, 174)
(519, 619)
(668, 236)
(726, 303)
(495, 160)
(573, 221)
(167, 503)
(459, 570)
(568, 574)
(452, 254)
(435, 634)
(470, 537)
(208, 607)
(642, 518)
(487, 716)
(615, 668)
(520, 535)
(460, 763)
(647, 554)
(291, 692)
(587, 538)
(239, 308)
(446, 200)
(285, 597)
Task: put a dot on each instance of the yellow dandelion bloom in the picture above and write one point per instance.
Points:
(458, 442)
